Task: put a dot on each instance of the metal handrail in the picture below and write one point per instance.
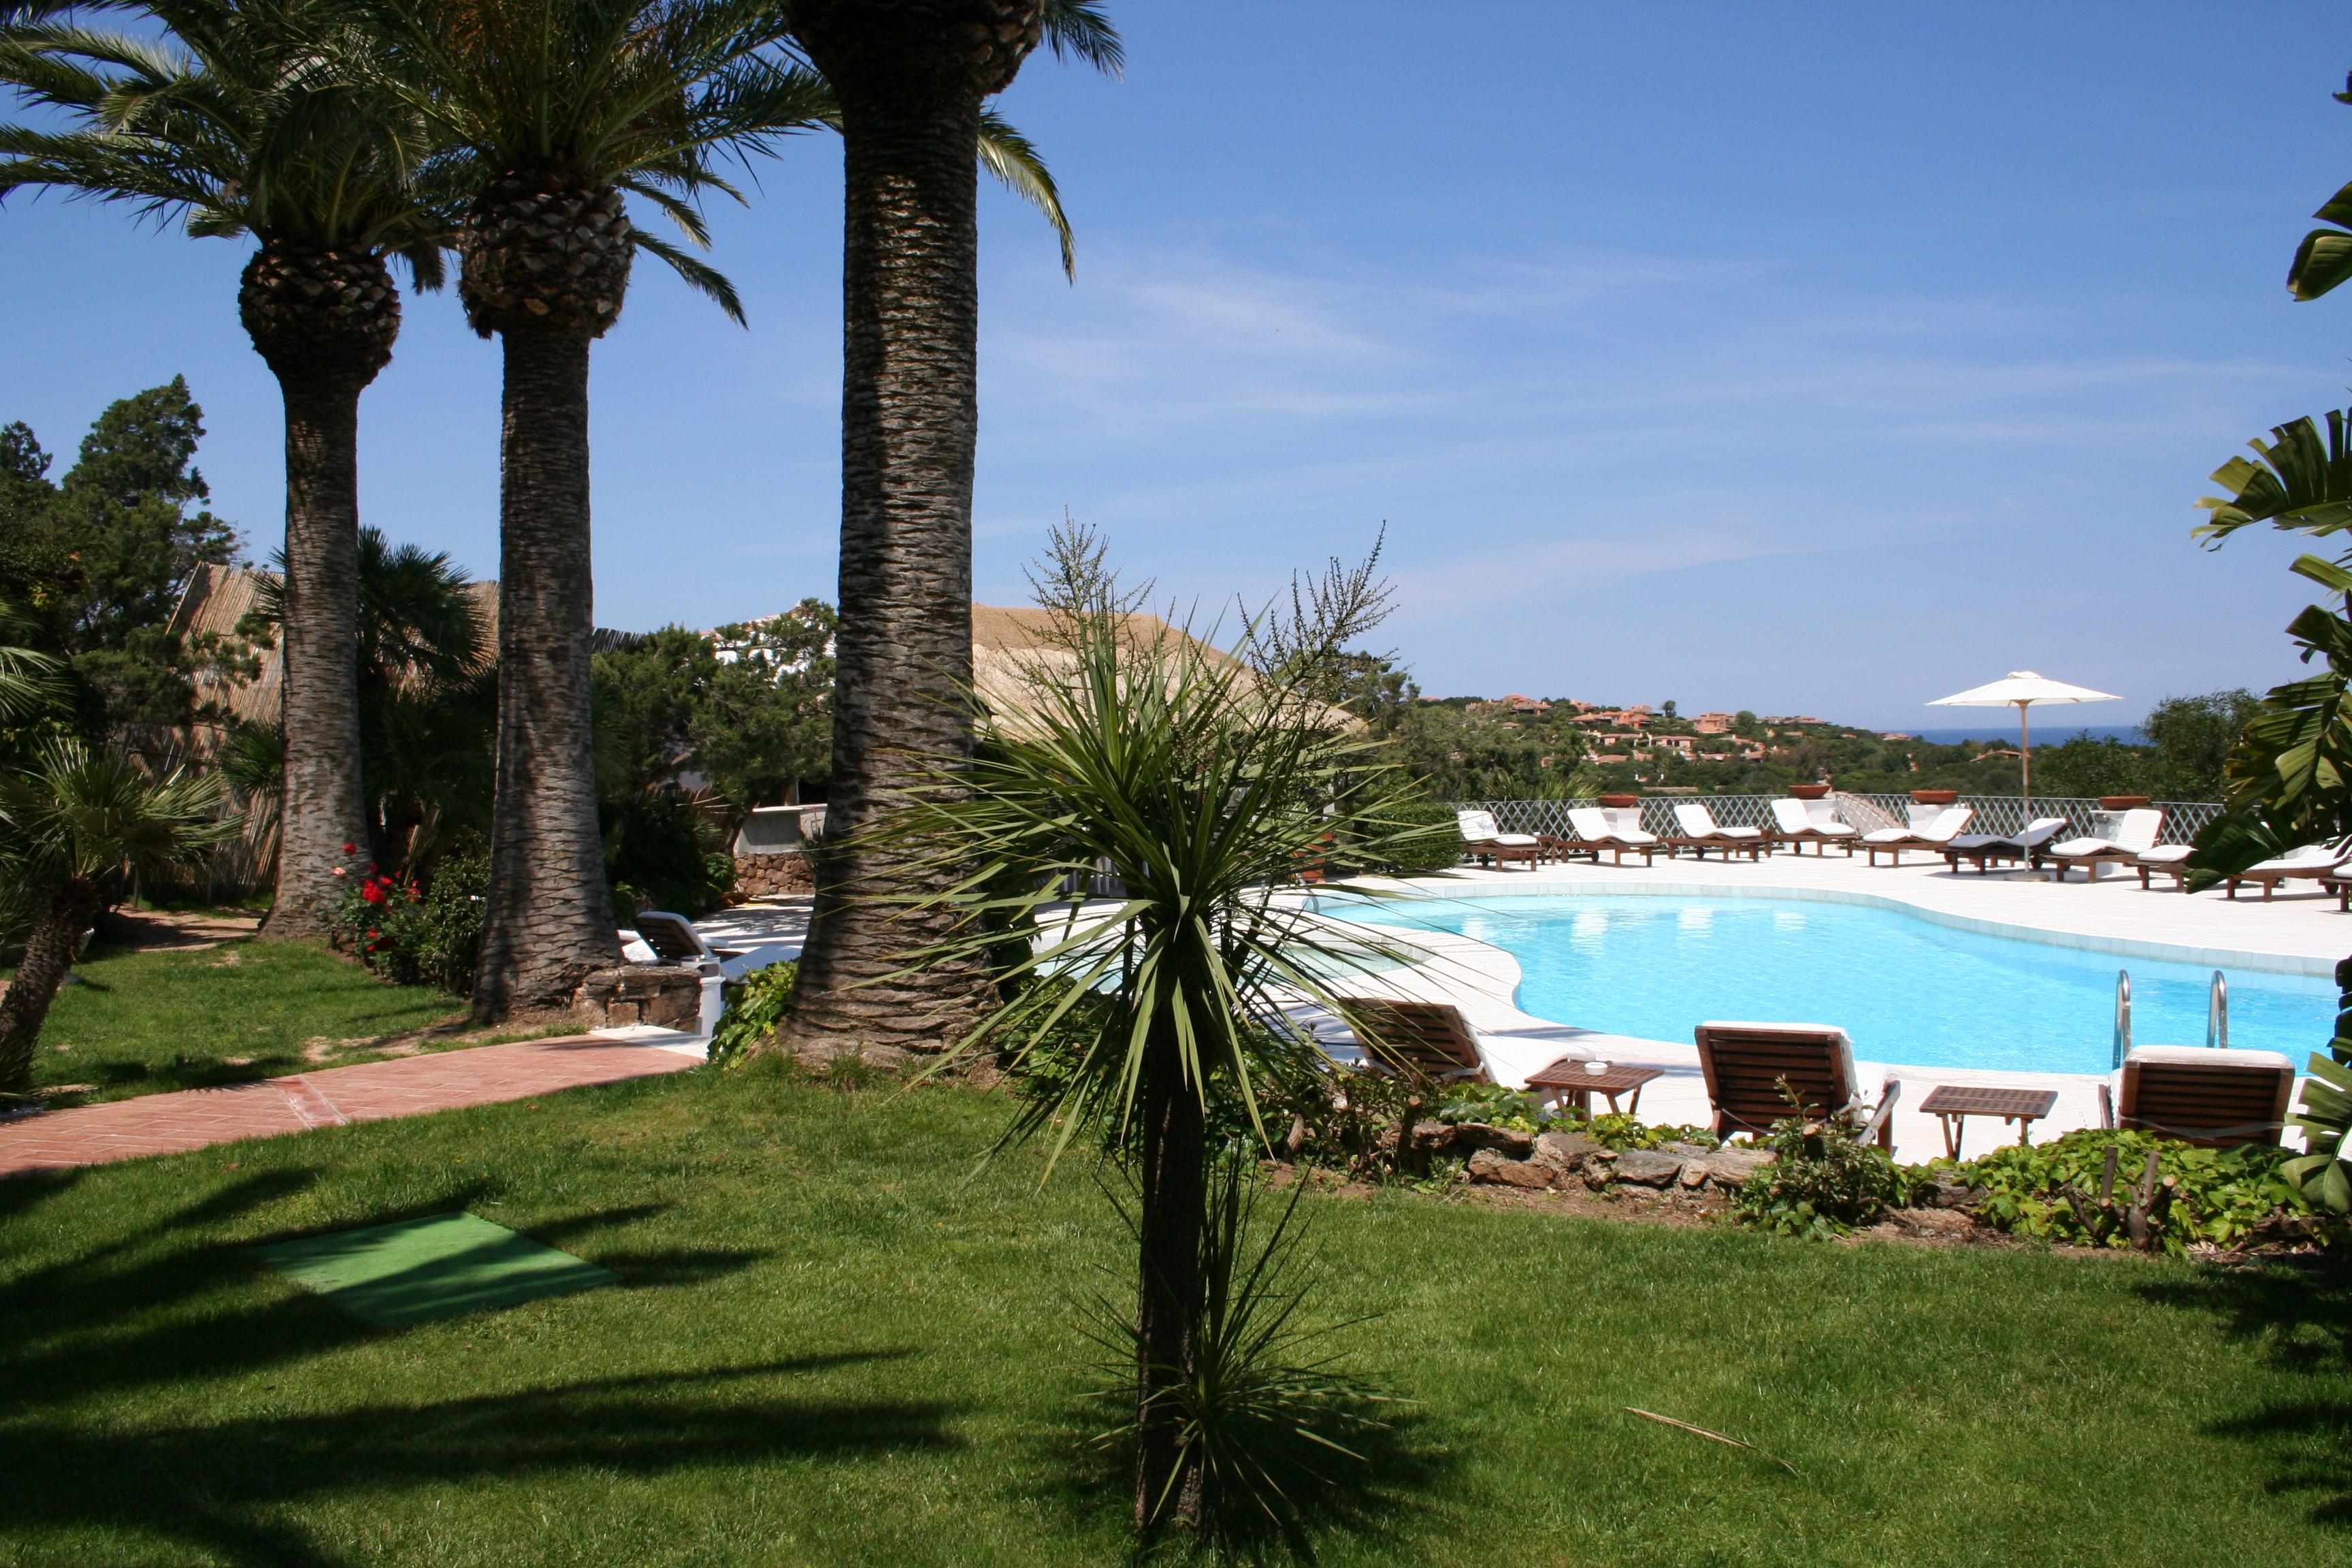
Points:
(2217, 1014)
(2123, 1017)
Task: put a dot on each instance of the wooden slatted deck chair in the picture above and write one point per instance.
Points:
(2317, 861)
(1428, 1040)
(1593, 827)
(1939, 831)
(2216, 1099)
(1481, 840)
(1792, 824)
(1746, 1063)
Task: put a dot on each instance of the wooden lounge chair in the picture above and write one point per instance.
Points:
(2214, 1099)
(1940, 831)
(2166, 859)
(1791, 824)
(2134, 835)
(1593, 829)
(1482, 841)
(1746, 1063)
(1419, 1039)
(2316, 861)
(1701, 833)
(1982, 849)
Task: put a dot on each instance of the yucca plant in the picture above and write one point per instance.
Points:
(72, 825)
(1199, 782)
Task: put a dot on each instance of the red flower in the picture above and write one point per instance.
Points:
(371, 892)
(351, 849)
(374, 935)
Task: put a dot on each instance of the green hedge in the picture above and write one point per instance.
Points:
(1425, 853)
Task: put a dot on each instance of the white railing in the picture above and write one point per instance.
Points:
(2002, 813)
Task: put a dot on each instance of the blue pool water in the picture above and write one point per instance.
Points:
(1907, 990)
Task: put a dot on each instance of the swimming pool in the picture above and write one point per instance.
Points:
(1907, 990)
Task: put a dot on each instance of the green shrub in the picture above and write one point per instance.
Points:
(415, 935)
(1421, 853)
(1620, 1132)
(2222, 1196)
(754, 1007)
(1823, 1180)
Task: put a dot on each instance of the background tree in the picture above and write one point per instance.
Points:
(96, 565)
(72, 827)
(265, 117)
(910, 78)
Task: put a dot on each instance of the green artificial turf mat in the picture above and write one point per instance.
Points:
(420, 1270)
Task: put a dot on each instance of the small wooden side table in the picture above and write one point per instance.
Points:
(1566, 1079)
(1953, 1104)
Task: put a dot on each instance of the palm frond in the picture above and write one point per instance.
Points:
(1084, 28)
(698, 276)
(1014, 158)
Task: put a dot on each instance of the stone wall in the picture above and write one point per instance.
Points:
(668, 995)
(762, 877)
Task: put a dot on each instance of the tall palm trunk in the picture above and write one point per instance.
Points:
(57, 933)
(324, 320)
(910, 78)
(546, 265)
(1173, 1184)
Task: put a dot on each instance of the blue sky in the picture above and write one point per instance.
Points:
(1791, 357)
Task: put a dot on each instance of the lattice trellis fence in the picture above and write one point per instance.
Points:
(2002, 814)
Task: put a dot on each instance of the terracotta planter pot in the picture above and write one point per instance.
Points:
(1935, 796)
(2122, 802)
(1809, 792)
(1620, 802)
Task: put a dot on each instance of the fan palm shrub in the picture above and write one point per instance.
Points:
(73, 826)
(263, 119)
(912, 80)
(1200, 782)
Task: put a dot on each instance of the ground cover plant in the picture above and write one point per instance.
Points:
(140, 1023)
(835, 1344)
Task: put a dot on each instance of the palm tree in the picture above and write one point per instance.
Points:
(258, 118)
(911, 79)
(71, 826)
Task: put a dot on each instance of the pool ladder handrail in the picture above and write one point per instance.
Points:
(2123, 1017)
(2217, 1014)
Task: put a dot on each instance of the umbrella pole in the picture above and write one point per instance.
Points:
(2025, 760)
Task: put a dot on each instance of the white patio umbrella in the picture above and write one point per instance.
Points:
(2021, 689)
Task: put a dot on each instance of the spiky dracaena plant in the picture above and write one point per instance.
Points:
(263, 118)
(71, 826)
(1200, 783)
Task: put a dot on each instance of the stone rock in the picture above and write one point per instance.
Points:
(1694, 1174)
(1433, 1137)
(1731, 1167)
(1506, 1141)
(1933, 1222)
(1951, 1195)
(1488, 1166)
(1647, 1167)
(668, 995)
(1685, 1150)
(1564, 1151)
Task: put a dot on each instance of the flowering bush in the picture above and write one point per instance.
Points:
(413, 934)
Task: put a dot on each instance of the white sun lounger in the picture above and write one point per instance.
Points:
(672, 939)
(1592, 825)
(1701, 833)
(1892, 841)
(1481, 839)
(2313, 860)
(2134, 836)
(1796, 827)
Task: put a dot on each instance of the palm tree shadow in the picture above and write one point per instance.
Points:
(227, 1486)
(1303, 1495)
(2300, 1312)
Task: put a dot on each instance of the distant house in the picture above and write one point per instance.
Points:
(1687, 744)
(1714, 723)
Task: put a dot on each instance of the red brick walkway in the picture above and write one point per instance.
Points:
(372, 1091)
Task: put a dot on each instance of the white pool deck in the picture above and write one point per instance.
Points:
(2298, 933)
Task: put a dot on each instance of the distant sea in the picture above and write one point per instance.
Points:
(2046, 731)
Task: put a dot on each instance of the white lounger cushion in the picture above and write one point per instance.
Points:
(2306, 858)
(1941, 831)
(1697, 822)
(1790, 813)
(2136, 835)
(1478, 827)
(2208, 1055)
(2166, 855)
(1592, 825)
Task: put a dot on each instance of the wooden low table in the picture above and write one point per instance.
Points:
(1953, 1104)
(1567, 1079)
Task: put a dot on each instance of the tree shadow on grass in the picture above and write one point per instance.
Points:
(227, 1486)
(2300, 1312)
(1396, 1472)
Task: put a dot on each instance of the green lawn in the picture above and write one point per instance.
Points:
(139, 1023)
(834, 1347)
